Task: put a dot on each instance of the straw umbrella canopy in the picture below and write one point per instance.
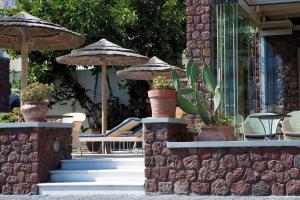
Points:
(103, 53)
(28, 33)
(155, 67)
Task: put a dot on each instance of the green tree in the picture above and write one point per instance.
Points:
(152, 27)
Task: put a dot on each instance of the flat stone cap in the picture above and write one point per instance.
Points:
(151, 120)
(36, 125)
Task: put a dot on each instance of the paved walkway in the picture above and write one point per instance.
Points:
(139, 197)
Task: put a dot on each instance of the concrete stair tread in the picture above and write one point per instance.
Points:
(97, 176)
(105, 160)
(98, 171)
(91, 184)
(90, 188)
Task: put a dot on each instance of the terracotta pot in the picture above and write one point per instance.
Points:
(163, 103)
(34, 112)
(216, 133)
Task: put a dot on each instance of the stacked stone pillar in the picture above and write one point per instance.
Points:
(28, 152)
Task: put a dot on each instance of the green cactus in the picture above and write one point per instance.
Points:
(197, 104)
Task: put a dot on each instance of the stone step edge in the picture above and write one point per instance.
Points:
(105, 160)
(88, 184)
(98, 171)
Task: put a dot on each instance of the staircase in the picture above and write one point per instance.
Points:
(96, 176)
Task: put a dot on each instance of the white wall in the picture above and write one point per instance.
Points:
(85, 78)
(7, 3)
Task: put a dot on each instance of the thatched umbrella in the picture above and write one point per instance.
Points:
(155, 67)
(28, 33)
(103, 53)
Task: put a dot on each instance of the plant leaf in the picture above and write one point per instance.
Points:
(202, 109)
(217, 98)
(175, 80)
(208, 79)
(185, 91)
(195, 72)
(186, 105)
(201, 99)
(189, 66)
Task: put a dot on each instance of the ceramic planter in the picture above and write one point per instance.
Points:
(216, 133)
(34, 111)
(163, 103)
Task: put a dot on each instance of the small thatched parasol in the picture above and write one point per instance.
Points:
(148, 71)
(103, 53)
(28, 33)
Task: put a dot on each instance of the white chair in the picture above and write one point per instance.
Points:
(77, 119)
(255, 129)
(291, 126)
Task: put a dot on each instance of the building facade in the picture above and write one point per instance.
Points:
(253, 47)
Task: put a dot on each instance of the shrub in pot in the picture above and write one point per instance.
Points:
(216, 126)
(162, 98)
(34, 100)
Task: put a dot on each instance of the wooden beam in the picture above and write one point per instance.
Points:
(104, 100)
(267, 8)
(275, 32)
(269, 2)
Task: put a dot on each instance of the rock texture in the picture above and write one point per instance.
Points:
(27, 156)
(217, 171)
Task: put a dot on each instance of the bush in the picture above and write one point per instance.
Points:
(161, 82)
(37, 92)
(14, 116)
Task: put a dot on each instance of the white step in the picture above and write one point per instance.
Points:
(104, 163)
(77, 188)
(103, 175)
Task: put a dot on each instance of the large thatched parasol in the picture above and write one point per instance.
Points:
(28, 33)
(148, 71)
(103, 53)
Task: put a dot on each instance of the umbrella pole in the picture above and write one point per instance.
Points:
(103, 89)
(24, 55)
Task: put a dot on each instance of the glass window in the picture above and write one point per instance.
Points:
(234, 53)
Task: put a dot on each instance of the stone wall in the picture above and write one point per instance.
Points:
(4, 84)
(27, 156)
(217, 171)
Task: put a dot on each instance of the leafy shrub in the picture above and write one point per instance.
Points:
(37, 92)
(161, 82)
(14, 116)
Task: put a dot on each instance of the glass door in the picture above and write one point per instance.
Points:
(234, 53)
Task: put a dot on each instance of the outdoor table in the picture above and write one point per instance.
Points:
(269, 119)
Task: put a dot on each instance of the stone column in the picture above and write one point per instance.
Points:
(29, 151)
(199, 29)
(199, 40)
(157, 156)
(4, 84)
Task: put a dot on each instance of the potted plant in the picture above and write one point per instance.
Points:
(162, 98)
(34, 100)
(216, 126)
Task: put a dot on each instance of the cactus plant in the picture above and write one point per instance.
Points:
(197, 104)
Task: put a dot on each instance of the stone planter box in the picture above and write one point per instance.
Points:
(28, 151)
(259, 168)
